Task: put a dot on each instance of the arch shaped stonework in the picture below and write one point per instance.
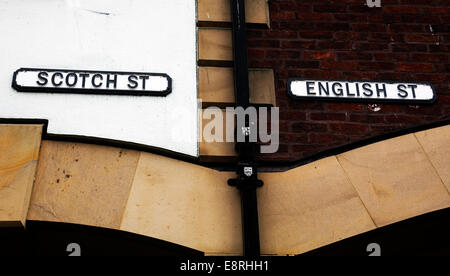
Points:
(300, 210)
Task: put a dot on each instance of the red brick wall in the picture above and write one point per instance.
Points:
(404, 40)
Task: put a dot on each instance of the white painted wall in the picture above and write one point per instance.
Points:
(154, 36)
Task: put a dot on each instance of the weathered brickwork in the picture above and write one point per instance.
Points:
(404, 40)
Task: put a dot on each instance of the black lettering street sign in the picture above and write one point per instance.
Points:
(91, 82)
(363, 91)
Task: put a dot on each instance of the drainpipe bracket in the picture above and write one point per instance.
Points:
(247, 173)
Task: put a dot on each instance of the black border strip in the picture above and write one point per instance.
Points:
(359, 100)
(229, 25)
(13, 121)
(227, 165)
(78, 91)
(123, 145)
(215, 63)
(103, 141)
(282, 166)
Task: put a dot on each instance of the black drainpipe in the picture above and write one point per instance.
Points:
(247, 181)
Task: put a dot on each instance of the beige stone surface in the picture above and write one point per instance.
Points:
(211, 148)
(436, 143)
(262, 86)
(257, 11)
(19, 152)
(300, 210)
(217, 149)
(215, 44)
(309, 207)
(395, 180)
(216, 85)
(82, 184)
(184, 204)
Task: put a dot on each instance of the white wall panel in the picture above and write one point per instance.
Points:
(153, 36)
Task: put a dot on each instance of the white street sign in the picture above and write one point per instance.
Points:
(91, 82)
(361, 91)
(86, 49)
